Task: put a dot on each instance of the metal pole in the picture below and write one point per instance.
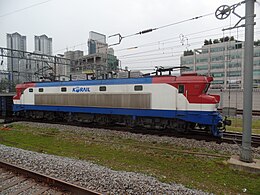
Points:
(55, 71)
(246, 150)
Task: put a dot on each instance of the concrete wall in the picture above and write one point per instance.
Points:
(234, 98)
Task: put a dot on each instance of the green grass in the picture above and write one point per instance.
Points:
(208, 174)
(237, 125)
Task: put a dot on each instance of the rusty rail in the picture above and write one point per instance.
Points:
(48, 180)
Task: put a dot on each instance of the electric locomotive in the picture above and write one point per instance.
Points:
(163, 102)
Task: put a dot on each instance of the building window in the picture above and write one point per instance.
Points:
(40, 89)
(102, 88)
(201, 60)
(257, 54)
(63, 89)
(187, 61)
(234, 74)
(235, 56)
(217, 66)
(234, 64)
(238, 45)
(217, 49)
(181, 89)
(217, 82)
(31, 90)
(257, 81)
(204, 50)
(218, 74)
(256, 73)
(257, 62)
(217, 58)
(205, 67)
(138, 88)
(231, 47)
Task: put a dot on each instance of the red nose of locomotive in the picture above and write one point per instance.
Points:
(216, 97)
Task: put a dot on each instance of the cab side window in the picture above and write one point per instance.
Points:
(102, 88)
(138, 88)
(181, 89)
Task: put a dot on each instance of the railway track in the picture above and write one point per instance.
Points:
(240, 112)
(15, 180)
(254, 112)
(234, 137)
(228, 137)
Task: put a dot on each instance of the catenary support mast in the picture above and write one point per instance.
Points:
(246, 150)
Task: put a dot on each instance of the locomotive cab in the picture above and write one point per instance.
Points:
(18, 98)
(19, 91)
(195, 88)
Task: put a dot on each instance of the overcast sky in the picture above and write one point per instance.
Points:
(68, 22)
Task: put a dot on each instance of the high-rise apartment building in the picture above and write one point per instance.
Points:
(97, 43)
(224, 60)
(15, 66)
(43, 44)
(16, 41)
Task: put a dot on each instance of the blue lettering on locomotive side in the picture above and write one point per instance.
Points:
(80, 89)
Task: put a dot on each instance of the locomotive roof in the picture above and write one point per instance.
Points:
(141, 80)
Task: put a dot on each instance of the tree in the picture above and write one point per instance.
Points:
(232, 38)
(188, 53)
(257, 43)
(4, 85)
(210, 41)
(215, 41)
(221, 39)
(206, 42)
(226, 39)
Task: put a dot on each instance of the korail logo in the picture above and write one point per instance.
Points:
(80, 89)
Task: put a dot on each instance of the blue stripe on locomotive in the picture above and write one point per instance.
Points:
(202, 117)
(146, 80)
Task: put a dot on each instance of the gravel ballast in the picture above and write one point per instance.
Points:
(222, 148)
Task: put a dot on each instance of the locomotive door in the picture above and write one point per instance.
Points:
(22, 98)
(181, 103)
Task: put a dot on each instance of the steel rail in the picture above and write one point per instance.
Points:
(237, 137)
(48, 180)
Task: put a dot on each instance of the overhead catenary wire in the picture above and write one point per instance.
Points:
(156, 28)
(140, 59)
(18, 10)
(151, 43)
(135, 55)
(150, 30)
(147, 44)
(140, 54)
(164, 41)
(169, 59)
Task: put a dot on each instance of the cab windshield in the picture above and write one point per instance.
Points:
(205, 90)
